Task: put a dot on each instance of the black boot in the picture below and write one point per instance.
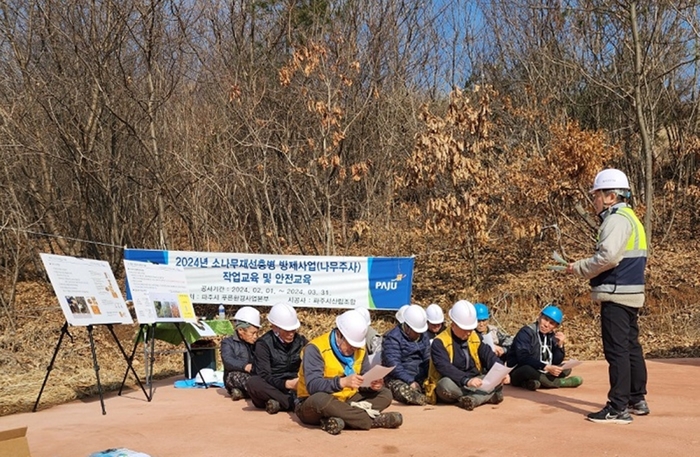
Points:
(388, 420)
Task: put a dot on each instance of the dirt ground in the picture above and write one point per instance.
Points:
(204, 422)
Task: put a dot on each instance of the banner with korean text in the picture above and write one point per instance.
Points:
(303, 281)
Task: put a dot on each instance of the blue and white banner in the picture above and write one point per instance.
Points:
(302, 281)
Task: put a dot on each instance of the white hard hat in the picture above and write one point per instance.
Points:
(365, 314)
(435, 314)
(463, 314)
(414, 316)
(399, 313)
(353, 326)
(248, 314)
(610, 178)
(284, 316)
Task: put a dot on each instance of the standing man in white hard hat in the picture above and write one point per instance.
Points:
(276, 362)
(436, 320)
(407, 349)
(330, 379)
(616, 274)
(458, 362)
(237, 352)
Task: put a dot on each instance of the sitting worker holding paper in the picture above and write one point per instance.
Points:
(330, 390)
(407, 349)
(458, 361)
(237, 352)
(537, 352)
(497, 339)
(276, 361)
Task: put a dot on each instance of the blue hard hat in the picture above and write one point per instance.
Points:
(553, 313)
(482, 312)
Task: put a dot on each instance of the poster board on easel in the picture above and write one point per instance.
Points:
(88, 294)
(159, 293)
(86, 290)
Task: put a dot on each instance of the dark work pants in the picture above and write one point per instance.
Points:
(322, 404)
(448, 391)
(523, 373)
(626, 367)
(261, 391)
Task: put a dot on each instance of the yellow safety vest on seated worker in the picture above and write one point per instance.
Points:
(434, 376)
(331, 367)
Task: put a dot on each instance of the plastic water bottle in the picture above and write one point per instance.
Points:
(222, 312)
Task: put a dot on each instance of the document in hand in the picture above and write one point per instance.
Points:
(494, 377)
(571, 364)
(374, 373)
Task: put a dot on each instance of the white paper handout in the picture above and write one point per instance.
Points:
(203, 329)
(570, 364)
(374, 373)
(494, 377)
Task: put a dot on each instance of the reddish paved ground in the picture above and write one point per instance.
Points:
(199, 422)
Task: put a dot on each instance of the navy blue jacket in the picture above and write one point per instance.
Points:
(527, 348)
(461, 369)
(411, 358)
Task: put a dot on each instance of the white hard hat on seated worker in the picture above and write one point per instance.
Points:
(609, 179)
(284, 316)
(414, 316)
(435, 314)
(365, 314)
(248, 314)
(399, 313)
(353, 326)
(463, 315)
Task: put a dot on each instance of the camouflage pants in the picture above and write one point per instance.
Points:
(403, 393)
(237, 380)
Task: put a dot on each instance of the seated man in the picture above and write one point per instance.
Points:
(501, 340)
(276, 361)
(237, 352)
(330, 378)
(459, 361)
(407, 348)
(538, 351)
(436, 320)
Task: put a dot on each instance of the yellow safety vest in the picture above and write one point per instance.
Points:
(331, 367)
(628, 276)
(473, 343)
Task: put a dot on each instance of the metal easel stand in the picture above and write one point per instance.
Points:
(96, 366)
